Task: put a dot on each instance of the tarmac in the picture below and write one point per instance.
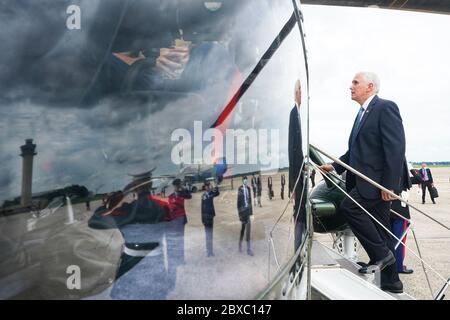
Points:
(53, 243)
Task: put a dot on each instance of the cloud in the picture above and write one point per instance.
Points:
(406, 51)
(99, 144)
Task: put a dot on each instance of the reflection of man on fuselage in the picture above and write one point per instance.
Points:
(141, 273)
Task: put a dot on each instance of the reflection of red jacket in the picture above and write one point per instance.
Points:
(176, 204)
(163, 203)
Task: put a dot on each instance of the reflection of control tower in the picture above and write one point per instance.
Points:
(28, 152)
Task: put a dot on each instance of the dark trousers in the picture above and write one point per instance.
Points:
(299, 216)
(313, 181)
(282, 192)
(245, 228)
(209, 237)
(375, 240)
(426, 185)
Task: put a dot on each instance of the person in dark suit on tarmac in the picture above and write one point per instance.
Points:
(258, 189)
(283, 183)
(376, 148)
(427, 182)
(269, 187)
(245, 210)
(295, 164)
(313, 178)
(208, 214)
(254, 187)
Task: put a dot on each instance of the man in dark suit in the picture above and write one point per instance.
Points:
(208, 214)
(245, 210)
(254, 187)
(313, 178)
(295, 163)
(259, 189)
(283, 182)
(427, 182)
(269, 187)
(376, 148)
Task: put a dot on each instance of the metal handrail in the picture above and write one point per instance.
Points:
(393, 195)
(446, 282)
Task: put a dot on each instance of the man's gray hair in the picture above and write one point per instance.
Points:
(371, 77)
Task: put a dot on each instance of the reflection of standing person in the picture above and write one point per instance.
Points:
(313, 178)
(295, 164)
(142, 273)
(88, 205)
(269, 187)
(283, 182)
(208, 214)
(245, 210)
(254, 187)
(259, 189)
(175, 229)
(376, 148)
(427, 182)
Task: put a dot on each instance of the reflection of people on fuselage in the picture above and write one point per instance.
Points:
(254, 187)
(208, 214)
(170, 53)
(283, 183)
(269, 187)
(258, 189)
(182, 68)
(245, 210)
(175, 230)
(141, 273)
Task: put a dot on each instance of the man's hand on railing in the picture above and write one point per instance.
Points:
(386, 196)
(326, 167)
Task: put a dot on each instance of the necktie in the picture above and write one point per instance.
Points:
(425, 175)
(357, 123)
(355, 131)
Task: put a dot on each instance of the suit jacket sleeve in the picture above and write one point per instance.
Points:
(340, 169)
(430, 175)
(239, 199)
(393, 140)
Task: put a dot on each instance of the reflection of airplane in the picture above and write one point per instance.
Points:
(194, 174)
(189, 174)
(201, 172)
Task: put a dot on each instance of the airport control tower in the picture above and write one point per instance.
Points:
(28, 152)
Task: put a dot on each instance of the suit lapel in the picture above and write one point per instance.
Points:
(367, 113)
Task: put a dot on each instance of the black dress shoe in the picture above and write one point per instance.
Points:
(379, 265)
(406, 270)
(363, 266)
(396, 287)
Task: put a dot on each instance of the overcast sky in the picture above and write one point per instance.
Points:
(409, 51)
(100, 146)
